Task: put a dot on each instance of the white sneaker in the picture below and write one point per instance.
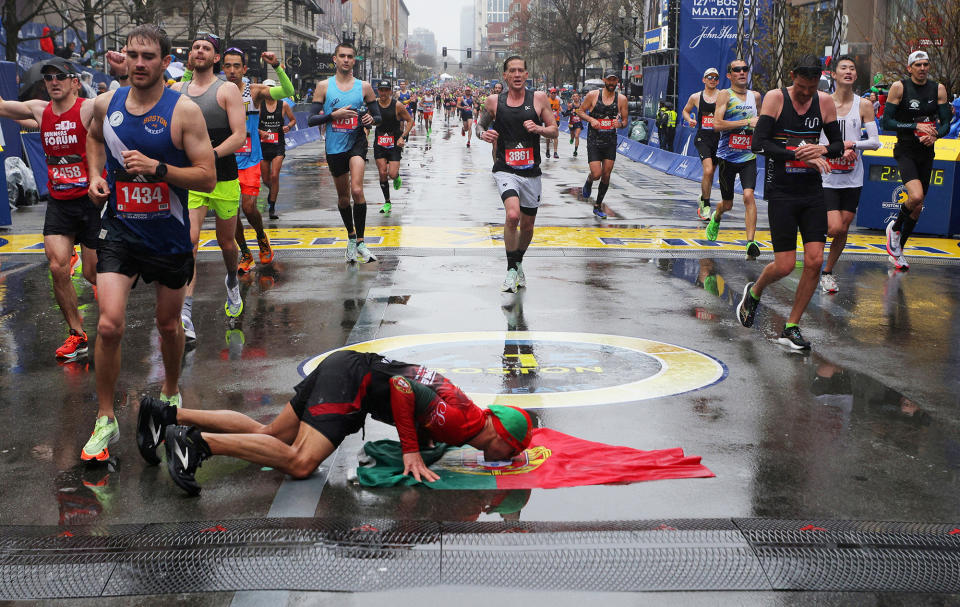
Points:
(893, 241)
(510, 282)
(351, 254)
(234, 305)
(900, 262)
(363, 253)
(521, 277)
(828, 283)
(189, 332)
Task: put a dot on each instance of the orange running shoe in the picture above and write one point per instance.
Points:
(266, 252)
(76, 345)
(74, 261)
(246, 262)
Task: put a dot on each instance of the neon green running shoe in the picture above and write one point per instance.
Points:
(105, 432)
(385, 209)
(397, 182)
(713, 228)
(174, 400)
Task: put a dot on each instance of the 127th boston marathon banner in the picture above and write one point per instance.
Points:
(707, 37)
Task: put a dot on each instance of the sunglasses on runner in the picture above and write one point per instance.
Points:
(712, 77)
(61, 76)
(739, 68)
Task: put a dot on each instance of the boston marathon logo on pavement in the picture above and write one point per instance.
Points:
(550, 369)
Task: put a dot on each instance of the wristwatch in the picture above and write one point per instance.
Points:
(161, 171)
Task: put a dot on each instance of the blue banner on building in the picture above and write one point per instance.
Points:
(651, 40)
(706, 37)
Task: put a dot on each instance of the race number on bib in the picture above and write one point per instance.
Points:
(247, 146)
(143, 198)
(345, 125)
(922, 122)
(519, 158)
(67, 176)
(606, 124)
(706, 121)
(741, 141)
(385, 141)
(797, 166)
(839, 165)
(270, 137)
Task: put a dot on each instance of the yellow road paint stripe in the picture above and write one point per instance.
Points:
(479, 237)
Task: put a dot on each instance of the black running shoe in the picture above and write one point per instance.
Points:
(791, 337)
(151, 427)
(273, 211)
(186, 449)
(753, 250)
(747, 308)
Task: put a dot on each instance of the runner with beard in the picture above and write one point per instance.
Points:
(389, 138)
(154, 145)
(788, 134)
(918, 111)
(346, 105)
(575, 123)
(250, 154)
(707, 139)
(222, 109)
(329, 405)
(605, 111)
(513, 122)
(71, 217)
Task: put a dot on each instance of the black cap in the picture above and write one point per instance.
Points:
(60, 64)
(808, 63)
(611, 73)
(384, 84)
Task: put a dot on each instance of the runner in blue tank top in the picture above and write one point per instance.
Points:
(346, 105)
(155, 147)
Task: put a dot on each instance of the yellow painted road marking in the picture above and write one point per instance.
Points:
(480, 237)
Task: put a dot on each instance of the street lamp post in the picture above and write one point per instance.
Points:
(628, 41)
(583, 39)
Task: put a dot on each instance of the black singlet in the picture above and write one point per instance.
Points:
(514, 140)
(604, 111)
(272, 122)
(705, 109)
(389, 123)
(918, 104)
(792, 177)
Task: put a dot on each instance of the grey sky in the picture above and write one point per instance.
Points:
(441, 17)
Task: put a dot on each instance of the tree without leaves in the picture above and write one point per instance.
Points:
(926, 25)
(14, 20)
(804, 33)
(552, 32)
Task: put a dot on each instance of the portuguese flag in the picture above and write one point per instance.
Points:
(554, 459)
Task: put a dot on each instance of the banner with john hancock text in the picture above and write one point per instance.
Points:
(707, 37)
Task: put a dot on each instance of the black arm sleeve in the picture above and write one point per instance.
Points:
(374, 108)
(889, 122)
(835, 147)
(944, 113)
(317, 117)
(764, 143)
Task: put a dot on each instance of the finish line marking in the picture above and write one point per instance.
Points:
(477, 237)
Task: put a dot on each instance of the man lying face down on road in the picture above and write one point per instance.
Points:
(330, 404)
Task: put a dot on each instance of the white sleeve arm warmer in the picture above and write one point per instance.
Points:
(872, 142)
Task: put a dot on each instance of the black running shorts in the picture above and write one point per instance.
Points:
(728, 172)
(393, 154)
(597, 152)
(339, 164)
(117, 256)
(329, 399)
(914, 166)
(77, 217)
(706, 144)
(273, 150)
(842, 199)
(788, 214)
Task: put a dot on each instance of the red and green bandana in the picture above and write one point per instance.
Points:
(512, 424)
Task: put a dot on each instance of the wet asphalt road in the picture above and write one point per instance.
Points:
(865, 427)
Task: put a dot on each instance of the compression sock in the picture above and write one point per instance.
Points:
(513, 258)
(360, 218)
(908, 225)
(385, 188)
(346, 214)
(520, 253)
(602, 191)
(231, 279)
(901, 216)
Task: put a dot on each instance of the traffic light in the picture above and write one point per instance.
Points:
(469, 52)
(444, 51)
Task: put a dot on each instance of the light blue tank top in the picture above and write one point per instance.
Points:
(341, 134)
(245, 160)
